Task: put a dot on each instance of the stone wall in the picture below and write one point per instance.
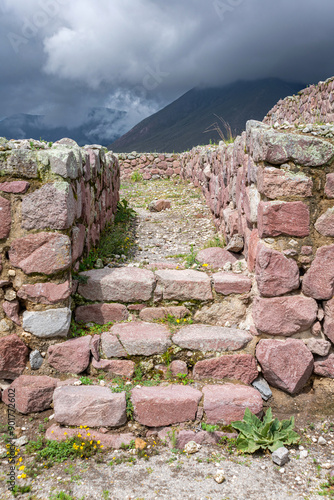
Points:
(55, 201)
(149, 165)
(315, 104)
(276, 190)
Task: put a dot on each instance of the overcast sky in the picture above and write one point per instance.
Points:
(62, 56)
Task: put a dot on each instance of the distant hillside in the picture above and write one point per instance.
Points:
(100, 126)
(180, 125)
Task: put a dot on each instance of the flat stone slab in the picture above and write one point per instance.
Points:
(286, 365)
(57, 433)
(237, 366)
(125, 284)
(227, 283)
(226, 403)
(216, 257)
(48, 324)
(32, 394)
(154, 313)
(101, 313)
(72, 356)
(184, 285)
(284, 315)
(161, 406)
(13, 357)
(142, 339)
(211, 338)
(93, 406)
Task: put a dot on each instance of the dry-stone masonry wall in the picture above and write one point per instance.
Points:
(314, 104)
(54, 202)
(149, 165)
(274, 190)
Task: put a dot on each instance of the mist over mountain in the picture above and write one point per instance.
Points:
(181, 125)
(100, 126)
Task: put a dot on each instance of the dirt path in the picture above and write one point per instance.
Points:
(169, 233)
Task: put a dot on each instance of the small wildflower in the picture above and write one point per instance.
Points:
(79, 436)
(52, 432)
(88, 434)
(205, 265)
(23, 476)
(177, 321)
(99, 442)
(65, 433)
(22, 467)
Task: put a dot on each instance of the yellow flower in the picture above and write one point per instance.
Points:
(65, 433)
(81, 447)
(20, 459)
(88, 434)
(79, 436)
(177, 321)
(52, 432)
(22, 467)
(94, 447)
(90, 442)
(99, 442)
(101, 446)
(81, 427)
(18, 477)
(205, 265)
(23, 476)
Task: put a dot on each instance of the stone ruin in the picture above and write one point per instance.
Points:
(271, 195)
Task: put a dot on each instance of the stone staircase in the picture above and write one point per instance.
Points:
(175, 341)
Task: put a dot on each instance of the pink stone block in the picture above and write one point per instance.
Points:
(32, 393)
(289, 218)
(5, 218)
(284, 315)
(286, 365)
(161, 406)
(15, 187)
(101, 313)
(237, 366)
(226, 403)
(227, 283)
(45, 293)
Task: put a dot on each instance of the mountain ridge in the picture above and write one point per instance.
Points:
(181, 124)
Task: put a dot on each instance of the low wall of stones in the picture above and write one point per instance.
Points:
(148, 166)
(55, 201)
(314, 104)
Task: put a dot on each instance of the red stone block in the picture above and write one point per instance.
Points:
(275, 273)
(237, 366)
(101, 313)
(71, 356)
(275, 218)
(5, 218)
(286, 365)
(161, 406)
(226, 403)
(45, 293)
(318, 282)
(13, 357)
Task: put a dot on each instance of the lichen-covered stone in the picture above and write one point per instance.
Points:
(50, 207)
(45, 253)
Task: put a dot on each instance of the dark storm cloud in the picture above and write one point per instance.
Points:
(63, 56)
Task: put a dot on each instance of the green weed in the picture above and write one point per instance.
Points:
(209, 428)
(86, 381)
(136, 176)
(216, 241)
(80, 330)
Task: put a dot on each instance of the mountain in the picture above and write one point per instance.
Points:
(100, 126)
(180, 125)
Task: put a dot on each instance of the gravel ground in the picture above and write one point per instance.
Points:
(166, 234)
(170, 475)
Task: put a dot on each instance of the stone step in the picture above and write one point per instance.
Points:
(131, 284)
